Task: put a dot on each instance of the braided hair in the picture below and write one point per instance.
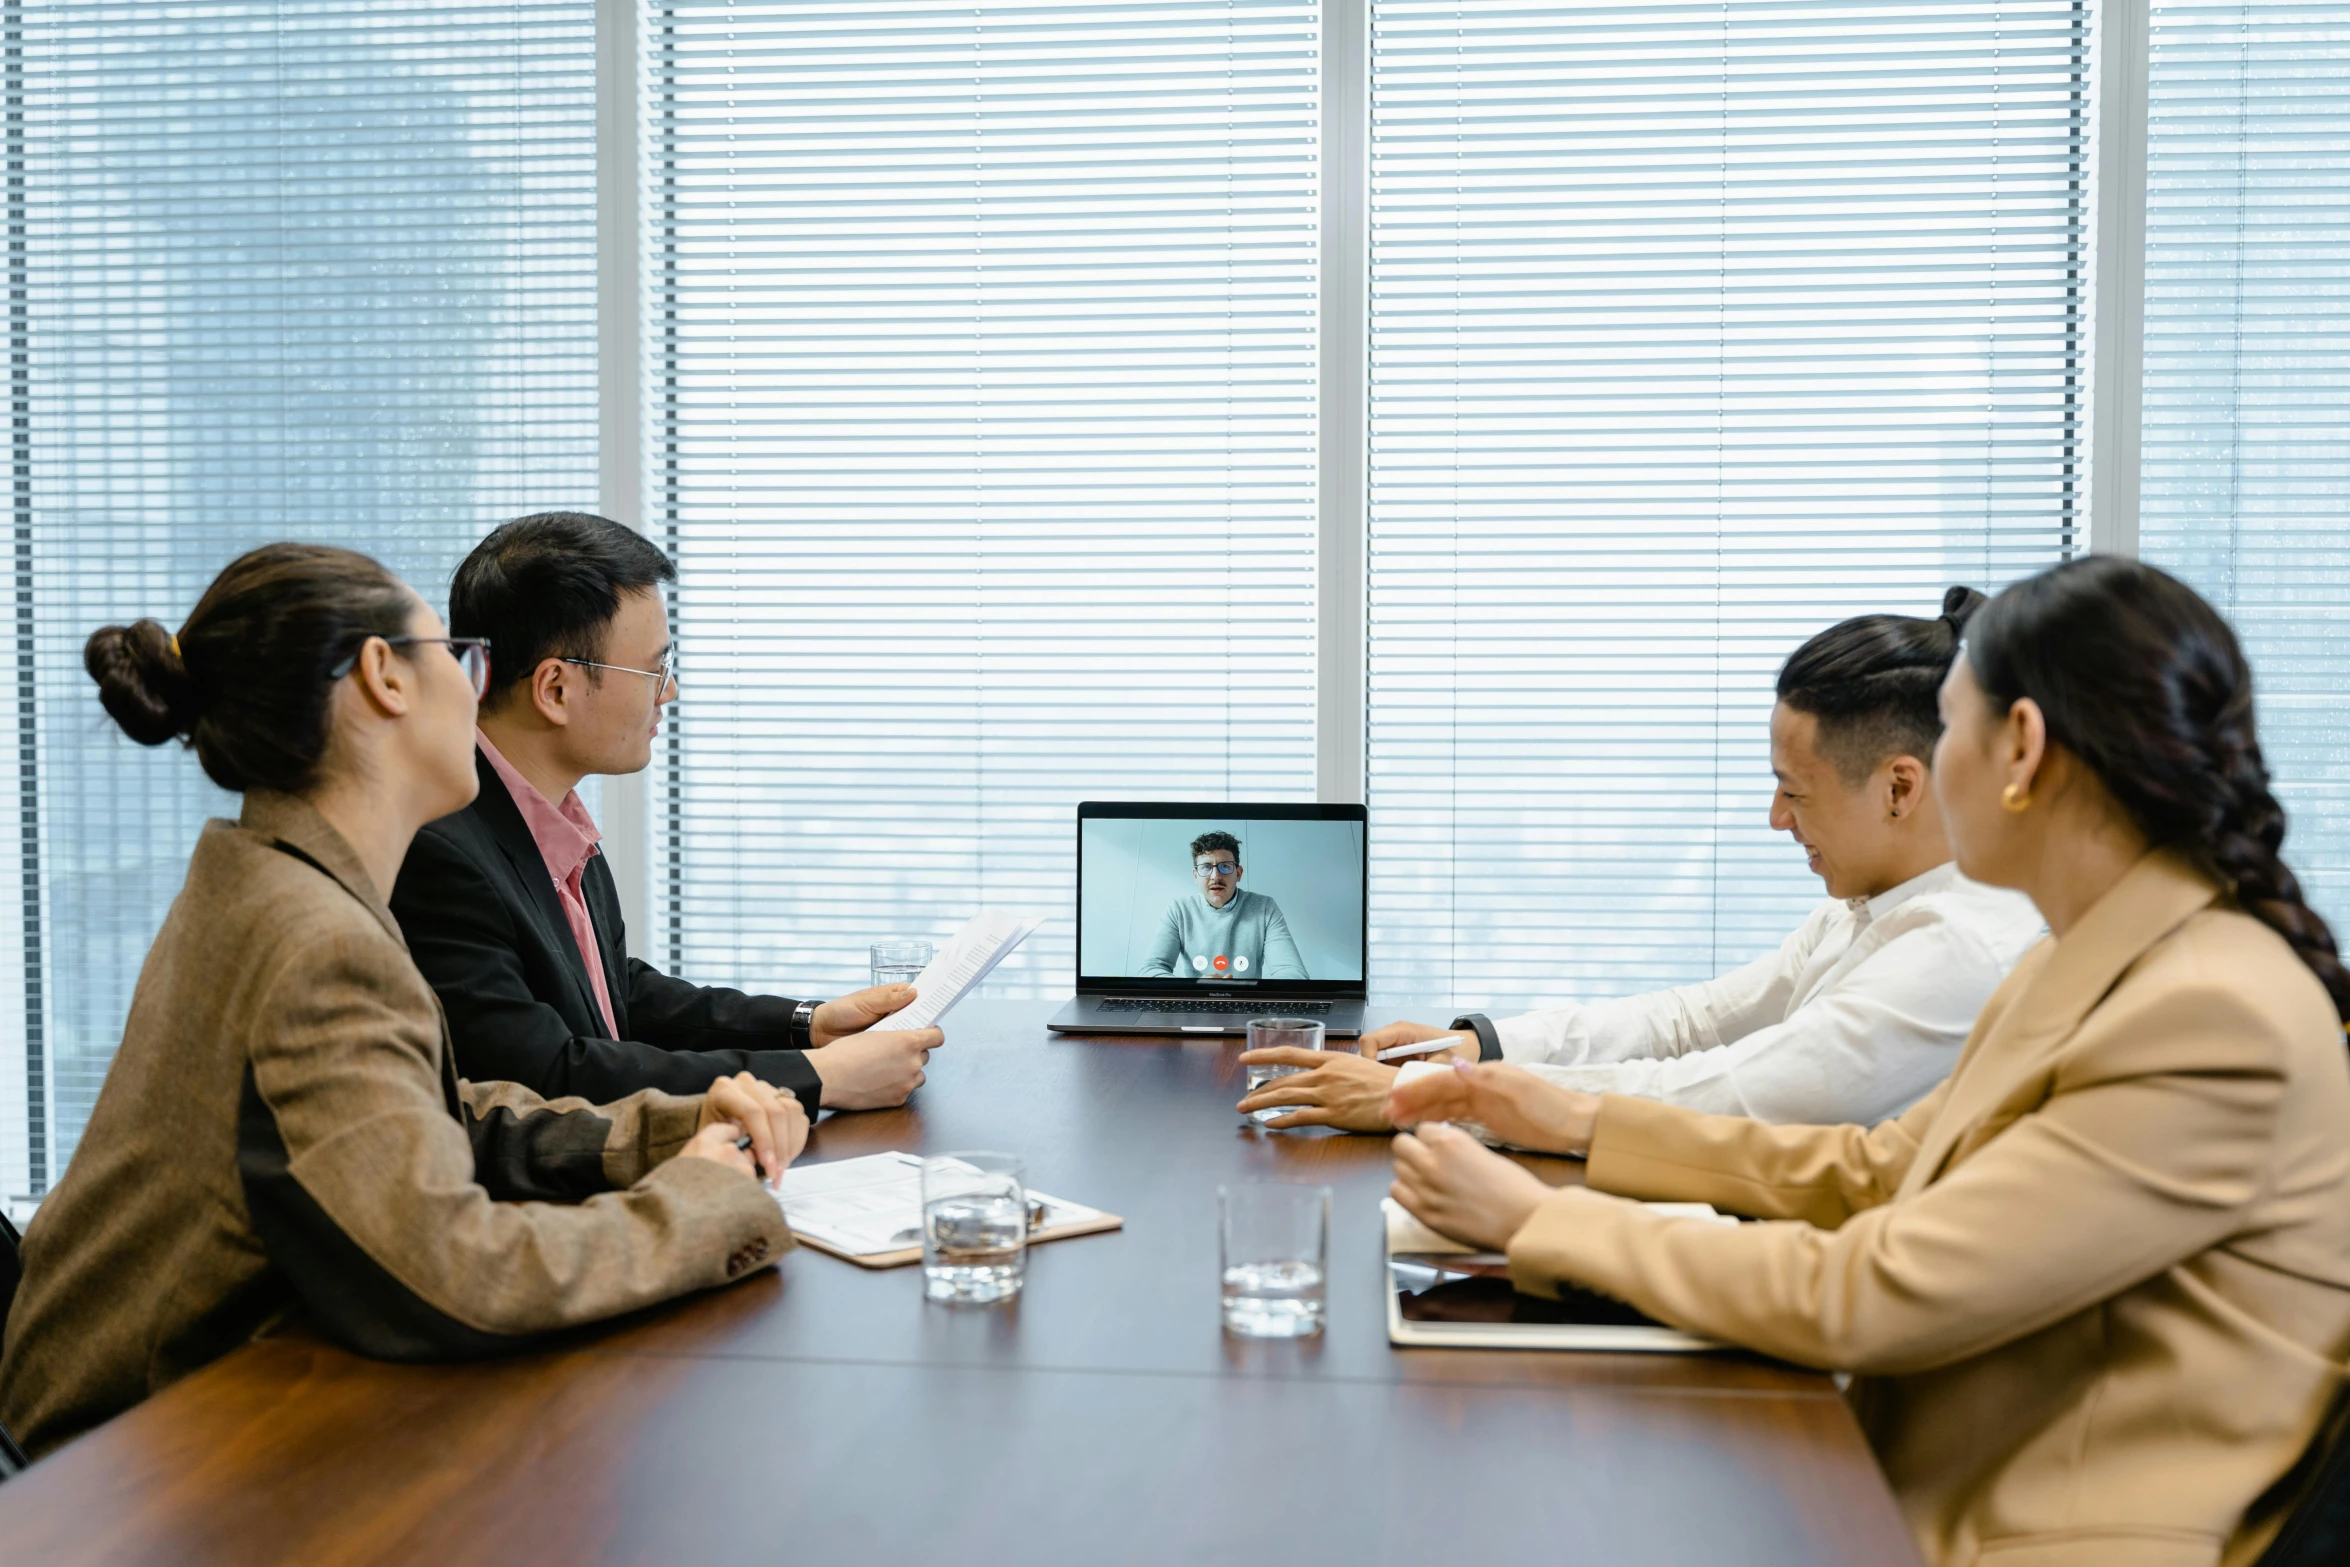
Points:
(2145, 683)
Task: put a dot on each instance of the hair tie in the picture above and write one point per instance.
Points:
(175, 646)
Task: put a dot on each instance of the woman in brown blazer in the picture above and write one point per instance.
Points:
(282, 1128)
(2095, 1289)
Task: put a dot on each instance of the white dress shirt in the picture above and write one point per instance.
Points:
(1855, 1018)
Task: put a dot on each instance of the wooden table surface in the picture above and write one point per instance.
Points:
(822, 1413)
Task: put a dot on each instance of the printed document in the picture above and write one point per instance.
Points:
(977, 948)
(872, 1206)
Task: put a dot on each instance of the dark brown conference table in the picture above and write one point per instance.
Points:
(821, 1413)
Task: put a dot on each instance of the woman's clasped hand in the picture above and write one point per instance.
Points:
(742, 1106)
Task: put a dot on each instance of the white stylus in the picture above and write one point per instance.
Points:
(1424, 1047)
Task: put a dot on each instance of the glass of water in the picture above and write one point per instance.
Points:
(1274, 1246)
(974, 1226)
(900, 962)
(1265, 1033)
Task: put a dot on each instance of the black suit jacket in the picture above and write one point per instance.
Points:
(482, 919)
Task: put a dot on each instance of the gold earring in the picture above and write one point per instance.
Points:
(2015, 799)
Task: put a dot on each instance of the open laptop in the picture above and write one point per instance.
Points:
(1194, 918)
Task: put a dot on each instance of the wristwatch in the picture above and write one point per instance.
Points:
(1488, 1041)
(803, 1025)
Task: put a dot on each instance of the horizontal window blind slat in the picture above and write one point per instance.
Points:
(986, 402)
(318, 271)
(1693, 329)
(2244, 478)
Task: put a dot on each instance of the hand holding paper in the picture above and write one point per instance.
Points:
(966, 960)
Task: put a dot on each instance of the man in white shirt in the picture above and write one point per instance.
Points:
(1860, 1012)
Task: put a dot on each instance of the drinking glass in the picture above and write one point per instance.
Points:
(974, 1226)
(1274, 1244)
(900, 962)
(1264, 1033)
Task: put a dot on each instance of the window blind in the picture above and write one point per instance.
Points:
(983, 398)
(309, 270)
(2246, 459)
(1694, 329)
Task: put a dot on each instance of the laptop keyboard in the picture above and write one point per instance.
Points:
(1269, 1007)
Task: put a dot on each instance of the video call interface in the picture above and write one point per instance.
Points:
(1220, 900)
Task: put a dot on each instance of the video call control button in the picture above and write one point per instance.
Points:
(1222, 963)
(1240, 965)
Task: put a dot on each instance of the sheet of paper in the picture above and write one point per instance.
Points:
(869, 1205)
(960, 965)
(860, 1205)
(1408, 1235)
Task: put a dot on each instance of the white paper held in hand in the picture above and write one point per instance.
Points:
(962, 963)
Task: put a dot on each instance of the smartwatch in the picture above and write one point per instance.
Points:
(1488, 1042)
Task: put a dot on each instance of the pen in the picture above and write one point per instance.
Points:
(743, 1145)
(1424, 1047)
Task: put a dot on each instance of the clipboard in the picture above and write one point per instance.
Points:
(877, 1184)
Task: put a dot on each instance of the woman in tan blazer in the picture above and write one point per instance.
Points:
(2095, 1289)
(282, 1128)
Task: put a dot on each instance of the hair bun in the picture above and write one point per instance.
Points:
(1959, 606)
(142, 682)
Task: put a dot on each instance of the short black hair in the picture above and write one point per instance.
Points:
(1207, 841)
(547, 586)
(1872, 681)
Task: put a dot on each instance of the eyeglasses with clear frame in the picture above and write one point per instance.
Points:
(663, 675)
(472, 653)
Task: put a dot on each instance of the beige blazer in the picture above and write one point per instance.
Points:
(2095, 1288)
(282, 1128)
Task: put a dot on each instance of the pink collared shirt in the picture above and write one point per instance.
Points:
(567, 839)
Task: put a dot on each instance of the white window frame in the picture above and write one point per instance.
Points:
(620, 392)
(2117, 301)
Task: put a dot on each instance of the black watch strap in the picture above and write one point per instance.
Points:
(803, 1024)
(1488, 1042)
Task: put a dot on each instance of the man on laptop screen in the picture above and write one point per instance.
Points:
(1196, 917)
(1217, 930)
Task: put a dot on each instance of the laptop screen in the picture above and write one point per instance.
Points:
(1227, 898)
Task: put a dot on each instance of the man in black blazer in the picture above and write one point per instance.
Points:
(510, 910)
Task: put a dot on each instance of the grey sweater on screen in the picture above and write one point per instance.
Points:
(1248, 932)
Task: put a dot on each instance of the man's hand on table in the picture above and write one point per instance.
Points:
(742, 1106)
(1458, 1187)
(1510, 1102)
(1336, 1089)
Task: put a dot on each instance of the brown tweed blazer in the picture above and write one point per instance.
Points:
(2096, 1285)
(283, 1126)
